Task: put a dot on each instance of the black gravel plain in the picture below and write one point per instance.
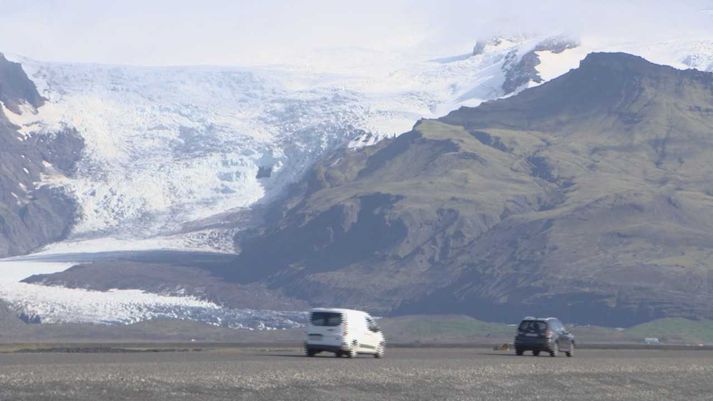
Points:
(405, 374)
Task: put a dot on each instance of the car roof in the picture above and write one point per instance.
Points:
(337, 310)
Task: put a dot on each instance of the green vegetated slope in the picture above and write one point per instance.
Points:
(588, 197)
(675, 330)
(443, 329)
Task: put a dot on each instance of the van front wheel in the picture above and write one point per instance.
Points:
(380, 351)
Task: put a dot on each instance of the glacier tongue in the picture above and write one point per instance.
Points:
(37, 303)
(45, 304)
(169, 146)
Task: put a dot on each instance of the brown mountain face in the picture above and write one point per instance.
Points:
(589, 197)
(31, 214)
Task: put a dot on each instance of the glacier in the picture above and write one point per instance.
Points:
(51, 305)
(172, 152)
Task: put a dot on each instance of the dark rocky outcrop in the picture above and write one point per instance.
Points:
(32, 214)
(170, 273)
(521, 70)
(16, 88)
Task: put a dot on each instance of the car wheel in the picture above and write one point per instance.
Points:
(536, 353)
(518, 352)
(352, 353)
(570, 353)
(555, 350)
(310, 353)
(338, 354)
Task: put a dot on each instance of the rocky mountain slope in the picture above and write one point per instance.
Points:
(32, 212)
(588, 197)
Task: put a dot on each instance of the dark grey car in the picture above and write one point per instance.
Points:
(543, 335)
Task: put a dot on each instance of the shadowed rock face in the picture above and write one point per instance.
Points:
(31, 214)
(16, 88)
(519, 71)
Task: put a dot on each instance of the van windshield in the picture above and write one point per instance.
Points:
(326, 319)
(533, 326)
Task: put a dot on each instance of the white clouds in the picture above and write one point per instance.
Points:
(162, 32)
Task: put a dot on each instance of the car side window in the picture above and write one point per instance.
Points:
(560, 326)
(556, 326)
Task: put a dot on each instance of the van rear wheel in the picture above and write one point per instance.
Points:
(351, 353)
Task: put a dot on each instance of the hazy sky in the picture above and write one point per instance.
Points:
(224, 32)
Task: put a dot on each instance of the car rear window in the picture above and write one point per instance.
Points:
(533, 326)
(326, 319)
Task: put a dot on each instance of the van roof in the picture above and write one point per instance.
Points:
(539, 319)
(337, 310)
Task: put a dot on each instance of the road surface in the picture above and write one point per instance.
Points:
(405, 374)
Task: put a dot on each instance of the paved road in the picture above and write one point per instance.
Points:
(405, 374)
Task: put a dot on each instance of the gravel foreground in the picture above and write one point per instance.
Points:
(405, 374)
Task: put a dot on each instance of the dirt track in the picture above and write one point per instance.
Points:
(405, 374)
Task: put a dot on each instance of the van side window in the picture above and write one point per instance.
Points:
(371, 325)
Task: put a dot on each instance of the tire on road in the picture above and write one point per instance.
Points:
(352, 353)
(380, 350)
(555, 350)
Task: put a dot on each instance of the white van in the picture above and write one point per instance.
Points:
(343, 331)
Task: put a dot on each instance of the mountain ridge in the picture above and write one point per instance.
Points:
(496, 248)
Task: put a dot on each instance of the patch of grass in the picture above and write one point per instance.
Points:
(442, 329)
(675, 329)
(456, 328)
